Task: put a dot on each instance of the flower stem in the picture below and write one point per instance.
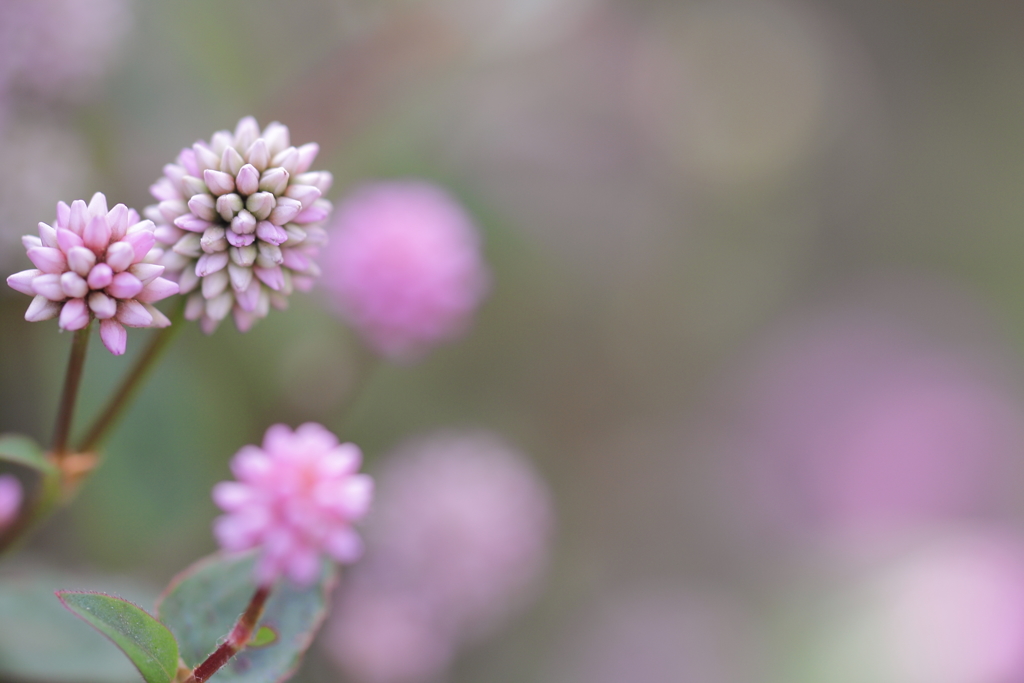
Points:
(158, 342)
(240, 636)
(73, 377)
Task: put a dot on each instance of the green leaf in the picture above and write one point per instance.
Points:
(147, 643)
(203, 603)
(264, 636)
(40, 642)
(22, 450)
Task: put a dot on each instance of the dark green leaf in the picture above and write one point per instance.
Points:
(202, 604)
(146, 642)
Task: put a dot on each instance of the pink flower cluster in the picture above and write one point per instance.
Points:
(95, 263)
(404, 267)
(295, 499)
(458, 539)
(241, 217)
(10, 499)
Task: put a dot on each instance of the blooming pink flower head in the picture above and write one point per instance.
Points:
(458, 539)
(242, 218)
(10, 499)
(95, 263)
(295, 499)
(404, 267)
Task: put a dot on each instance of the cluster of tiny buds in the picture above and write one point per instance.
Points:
(242, 217)
(95, 263)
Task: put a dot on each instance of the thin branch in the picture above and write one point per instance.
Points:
(69, 396)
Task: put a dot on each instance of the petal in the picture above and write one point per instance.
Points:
(117, 219)
(146, 272)
(244, 223)
(303, 565)
(248, 299)
(251, 464)
(288, 159)
(213, 285)
(42, 308)
(304, 194)
(124, 286)
(48, 259)
(22, 282)
(67, 239)
(74, 285)
(133, 314)
(258, 154)
(285, 210)
(81, 260)
(273, 234)
(48, 285)
(277, 137)
(78, 217)
(100, 276)
(243, 319)
(274, 180)
(344, 545)
(191, 223)
(63, 214)
(141, 242)
(307, 153)
(120, 255)
(98, 205)
(218, 182)
(159, 319)
(102, 306)
(97, 233)
(114, 336)
(232, 495)
(156, 290)
(271, 277)
(248, 180)
(241, 277)
(48, 235)
(74, 315)
(211, 263)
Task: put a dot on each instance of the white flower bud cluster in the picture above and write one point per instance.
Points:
(242, 218)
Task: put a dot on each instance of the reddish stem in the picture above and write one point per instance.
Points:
(72, 378)
(240, 636)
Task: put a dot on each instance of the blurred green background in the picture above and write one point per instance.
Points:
(669, 192)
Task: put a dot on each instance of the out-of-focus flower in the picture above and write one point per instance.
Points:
(59, 49)
(404, 267)
(10, 499)
(242, 218)
(862, 426)
(95, 263)
(457, 540)
(295, 499)
(948, 610)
